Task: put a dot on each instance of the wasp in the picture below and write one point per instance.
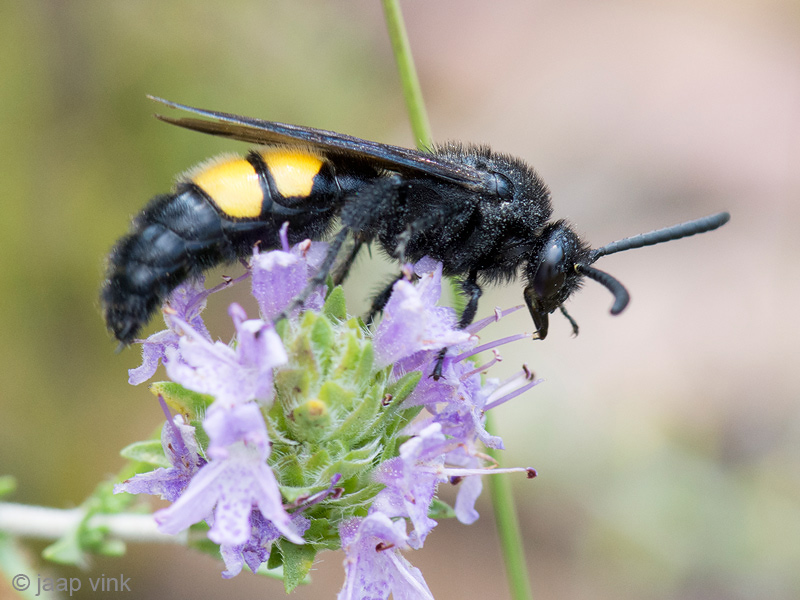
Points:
(486, 216)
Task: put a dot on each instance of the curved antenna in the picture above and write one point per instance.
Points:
(621, 296)
(661, 235)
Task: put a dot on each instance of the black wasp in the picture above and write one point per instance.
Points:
(484, 215)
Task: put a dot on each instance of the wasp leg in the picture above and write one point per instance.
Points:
(570, 319)
(380, 300)
(471, 288)
(343, 270)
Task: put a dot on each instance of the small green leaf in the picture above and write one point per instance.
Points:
(149, 452)
(297, 562)
(335, 305)
(181, 400)
(66, 550)
(440, 510)
(275, 560)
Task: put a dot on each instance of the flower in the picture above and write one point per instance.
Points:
(281, 275)
(235, 480)
(181, 449)
(231, 375)
(413, 322)
(411, 480)
(255, 550)
(184, 305)
(374, 567)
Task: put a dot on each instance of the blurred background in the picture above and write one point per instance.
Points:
(667, 439)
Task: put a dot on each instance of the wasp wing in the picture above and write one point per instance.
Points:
(257, 131)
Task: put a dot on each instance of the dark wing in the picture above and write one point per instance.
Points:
(393, 158)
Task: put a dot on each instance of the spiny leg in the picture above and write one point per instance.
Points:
(343, 270)
(381, 299)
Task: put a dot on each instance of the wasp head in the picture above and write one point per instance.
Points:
(551, 272)
(561, 260)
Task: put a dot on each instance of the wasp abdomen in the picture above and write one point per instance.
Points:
(177, 236)
(219, 210)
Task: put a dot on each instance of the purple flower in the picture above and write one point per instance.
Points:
(458, 403)
(232, 375)
(374, 567)
(255, 550)
(180, 447)
(411, 480)
(411, 320)
(237, 479)
(183, 307)
(280, 275)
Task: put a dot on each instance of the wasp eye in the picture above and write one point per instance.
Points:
(503, 186)
(550, 275)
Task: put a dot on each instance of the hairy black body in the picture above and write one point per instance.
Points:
(484, 215)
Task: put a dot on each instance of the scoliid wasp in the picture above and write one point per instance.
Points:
(484, 215)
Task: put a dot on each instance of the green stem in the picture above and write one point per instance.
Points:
(412, 91)
(505, 514)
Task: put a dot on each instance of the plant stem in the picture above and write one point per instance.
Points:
(505, 515)
(412, 92)
(52, 523)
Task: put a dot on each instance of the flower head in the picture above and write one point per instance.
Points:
(300, 444)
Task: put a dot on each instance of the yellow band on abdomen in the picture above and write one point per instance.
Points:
(233, 185)
(293, 169)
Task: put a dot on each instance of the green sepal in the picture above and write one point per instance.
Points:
(323, 534)
(297, 562)
(335, 304)
(323, 339)
(183, 401)
(364, 366)
(402, 388)
(360, 423)
(440, 510)
(311, 420)
(149, 452)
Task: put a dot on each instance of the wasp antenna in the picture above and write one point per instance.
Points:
(621, 296)
(666, 234)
